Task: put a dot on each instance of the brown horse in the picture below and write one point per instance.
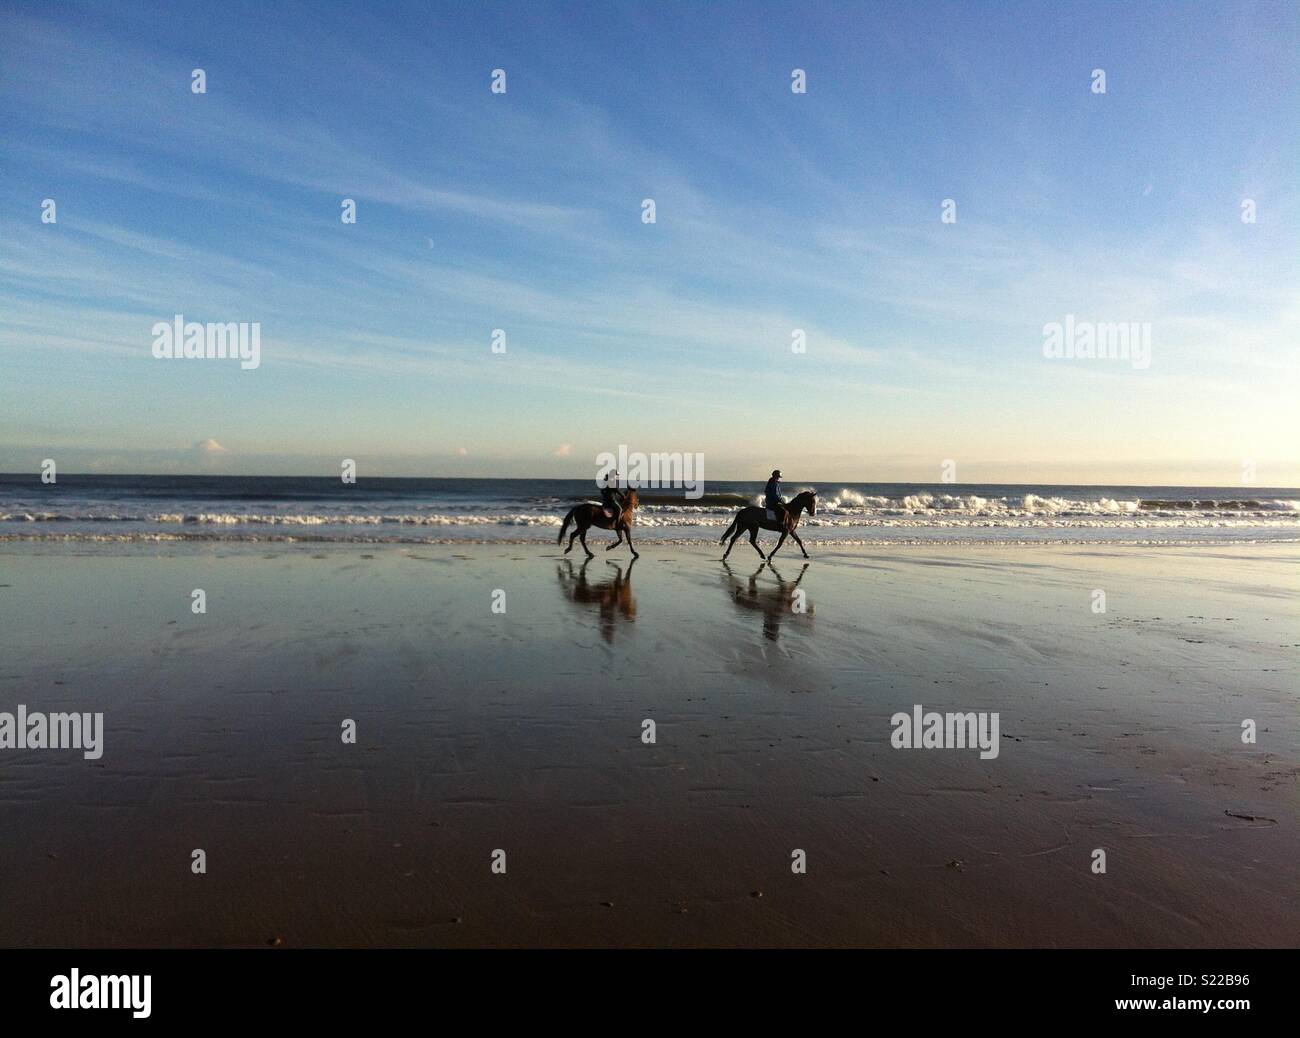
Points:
(587, 515)
(751, 520)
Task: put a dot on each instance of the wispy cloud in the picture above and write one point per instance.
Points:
(522, 213)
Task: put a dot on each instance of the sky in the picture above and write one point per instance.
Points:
(775, 211)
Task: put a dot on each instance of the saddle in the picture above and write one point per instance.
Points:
(784, 518)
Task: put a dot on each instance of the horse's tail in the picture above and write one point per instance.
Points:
(565, 525)
(730, 528)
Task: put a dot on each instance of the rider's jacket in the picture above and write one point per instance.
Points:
(772, 492)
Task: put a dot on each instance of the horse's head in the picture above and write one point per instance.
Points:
(629, 501)
(809, 500)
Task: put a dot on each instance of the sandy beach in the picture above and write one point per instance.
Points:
(522, 731)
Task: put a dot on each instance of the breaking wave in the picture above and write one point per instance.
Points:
(147, 508)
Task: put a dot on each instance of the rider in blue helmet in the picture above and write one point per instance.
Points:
(772, 497)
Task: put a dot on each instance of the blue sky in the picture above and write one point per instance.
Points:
(775, 211)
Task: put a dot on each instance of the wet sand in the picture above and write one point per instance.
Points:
(522, 731)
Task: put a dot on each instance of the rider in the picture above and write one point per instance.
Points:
(610, 497)
(772, 497)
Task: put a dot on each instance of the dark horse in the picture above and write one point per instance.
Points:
(751, 520)
(587, 515)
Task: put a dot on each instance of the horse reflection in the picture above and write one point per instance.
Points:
(774, 603)
(611, 596)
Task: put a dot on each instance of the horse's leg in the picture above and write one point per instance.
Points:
(619, 531)
(753, 539)
(582, 536)
(800, 543)
(772, 553)
(577, 529)
(734, 537)
(635, 553)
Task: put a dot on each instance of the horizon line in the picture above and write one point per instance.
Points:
(578, 479)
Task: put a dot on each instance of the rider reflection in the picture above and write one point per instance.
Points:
(774, 603)
(611, 596)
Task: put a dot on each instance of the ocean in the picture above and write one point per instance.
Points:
(105, 508)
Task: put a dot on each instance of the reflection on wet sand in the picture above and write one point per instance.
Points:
(612, 596)
(775, 603)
